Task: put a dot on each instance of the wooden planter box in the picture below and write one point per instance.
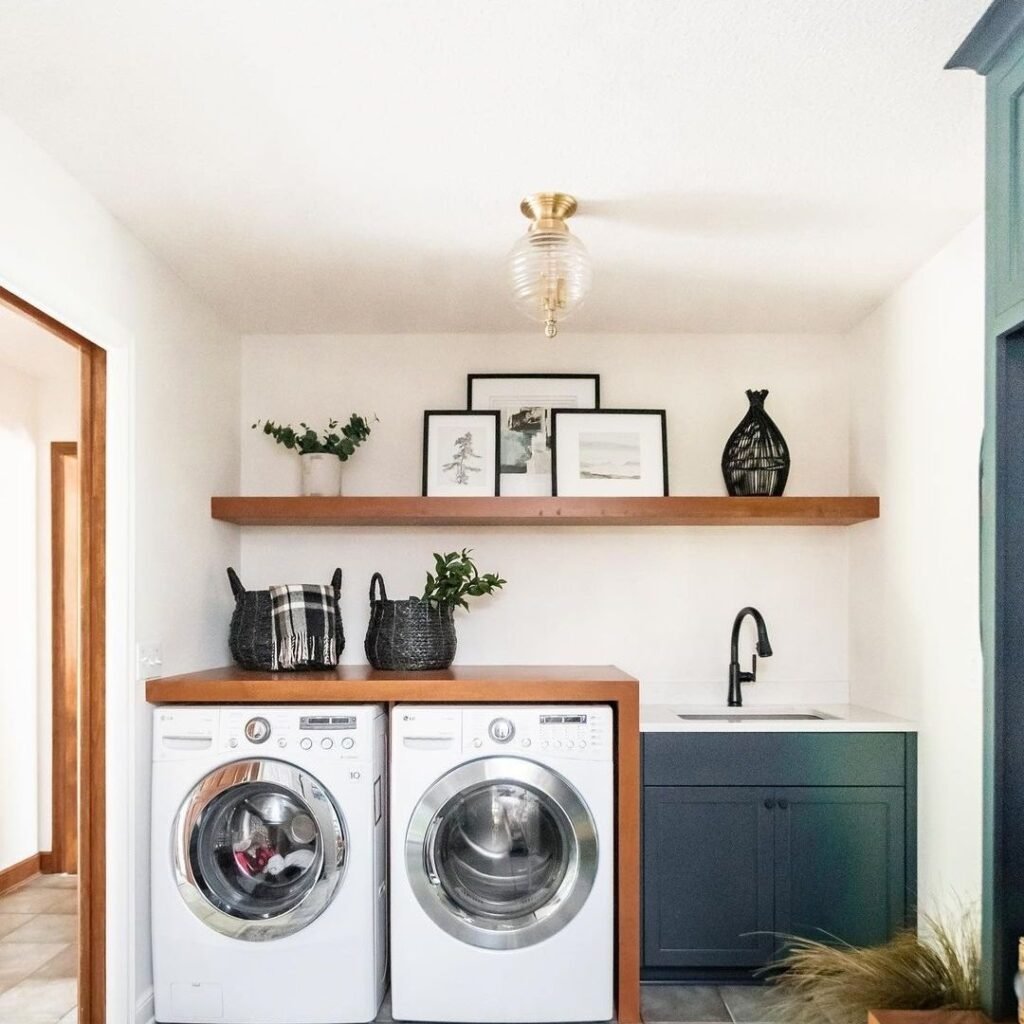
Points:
(927, 1017)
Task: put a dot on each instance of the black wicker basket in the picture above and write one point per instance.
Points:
(755, 462)
(251, 636)
(408, 636)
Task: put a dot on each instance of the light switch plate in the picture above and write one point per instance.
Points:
(149, 660)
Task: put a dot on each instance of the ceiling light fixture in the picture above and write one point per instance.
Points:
(549, 268)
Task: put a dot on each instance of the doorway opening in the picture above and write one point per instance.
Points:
(52, 898)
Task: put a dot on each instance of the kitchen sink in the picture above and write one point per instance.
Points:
(754, 716)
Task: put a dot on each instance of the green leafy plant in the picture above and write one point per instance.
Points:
(938, 969)
(455, 578)
(341, 441)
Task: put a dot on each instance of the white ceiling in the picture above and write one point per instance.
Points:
(333, 165)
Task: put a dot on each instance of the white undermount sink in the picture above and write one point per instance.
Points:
(755, 714)
(678, 716)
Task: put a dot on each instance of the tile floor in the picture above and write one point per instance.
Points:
(690, 1004)
(700, 1004)
(39, 952)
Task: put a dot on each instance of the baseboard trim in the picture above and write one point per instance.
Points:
(18, 873)
(48, 863)
(144, 1009)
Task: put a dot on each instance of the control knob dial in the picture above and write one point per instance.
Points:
(257, 730)
(501, 730)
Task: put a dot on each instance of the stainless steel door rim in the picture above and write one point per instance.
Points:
(245, 788)
(566, 816)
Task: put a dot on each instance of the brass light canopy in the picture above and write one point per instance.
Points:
(549, 267)
(549, 210)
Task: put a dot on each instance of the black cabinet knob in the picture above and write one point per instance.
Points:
(783, 804)
(769, 804)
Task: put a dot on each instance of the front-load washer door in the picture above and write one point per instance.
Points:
(260, 849)
(501, 852)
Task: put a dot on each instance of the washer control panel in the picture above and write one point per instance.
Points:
(273, 732)
(577, 732)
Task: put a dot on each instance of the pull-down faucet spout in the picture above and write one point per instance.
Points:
(764, 648)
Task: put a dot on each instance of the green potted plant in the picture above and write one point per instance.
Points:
(320, 454)
(419, 634)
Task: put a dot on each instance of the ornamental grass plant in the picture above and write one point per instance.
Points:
(937, 968)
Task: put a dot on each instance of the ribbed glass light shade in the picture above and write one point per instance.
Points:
(550, 275)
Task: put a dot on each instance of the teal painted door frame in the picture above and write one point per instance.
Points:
(995, 49)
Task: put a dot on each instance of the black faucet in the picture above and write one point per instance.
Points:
(764, 648)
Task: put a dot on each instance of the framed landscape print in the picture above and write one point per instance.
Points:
(524, 402)
(460, 454)
(610, 453)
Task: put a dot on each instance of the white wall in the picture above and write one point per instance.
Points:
(917, 413)
(58, 403)
(173, 378)
(18, 666)
(657, 602)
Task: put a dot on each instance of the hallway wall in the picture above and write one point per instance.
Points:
(19, 801)
(58, 406)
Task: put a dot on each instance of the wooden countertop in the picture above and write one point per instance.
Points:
(355, 684)
(473, 684)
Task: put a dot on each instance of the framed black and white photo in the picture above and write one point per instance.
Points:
(524, 402)
(460, 454)
(620, 453)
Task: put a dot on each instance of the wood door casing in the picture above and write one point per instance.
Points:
(65, 603)
(92, 816)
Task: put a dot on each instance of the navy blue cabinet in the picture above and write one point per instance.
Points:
(840, 863)
(728, 868)
(708, 871)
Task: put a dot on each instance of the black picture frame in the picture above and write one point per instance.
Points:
(584, 387)
(488, 414)
(661, 413)
(470, 377)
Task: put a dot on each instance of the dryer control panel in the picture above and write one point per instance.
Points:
(577, 732)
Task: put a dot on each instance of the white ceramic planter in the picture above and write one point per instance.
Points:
(321, 474)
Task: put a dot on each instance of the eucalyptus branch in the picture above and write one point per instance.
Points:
(340, 441)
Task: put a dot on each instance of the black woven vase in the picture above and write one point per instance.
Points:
(408, 636)
(755, 462)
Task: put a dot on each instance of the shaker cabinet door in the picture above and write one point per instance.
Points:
(708, 876)
(840, 871)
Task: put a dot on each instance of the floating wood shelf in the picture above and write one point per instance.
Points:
(674, 511)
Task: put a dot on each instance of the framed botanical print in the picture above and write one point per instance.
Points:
(610, 453)
(460, 454)
(524, 402)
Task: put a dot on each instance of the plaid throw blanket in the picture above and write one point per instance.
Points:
(305, 625)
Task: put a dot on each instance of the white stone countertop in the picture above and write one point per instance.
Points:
(759, 718)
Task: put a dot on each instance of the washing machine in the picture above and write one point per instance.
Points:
(502, 864)
(269, 864)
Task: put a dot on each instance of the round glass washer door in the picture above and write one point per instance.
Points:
(501, 852)
(260, 849)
